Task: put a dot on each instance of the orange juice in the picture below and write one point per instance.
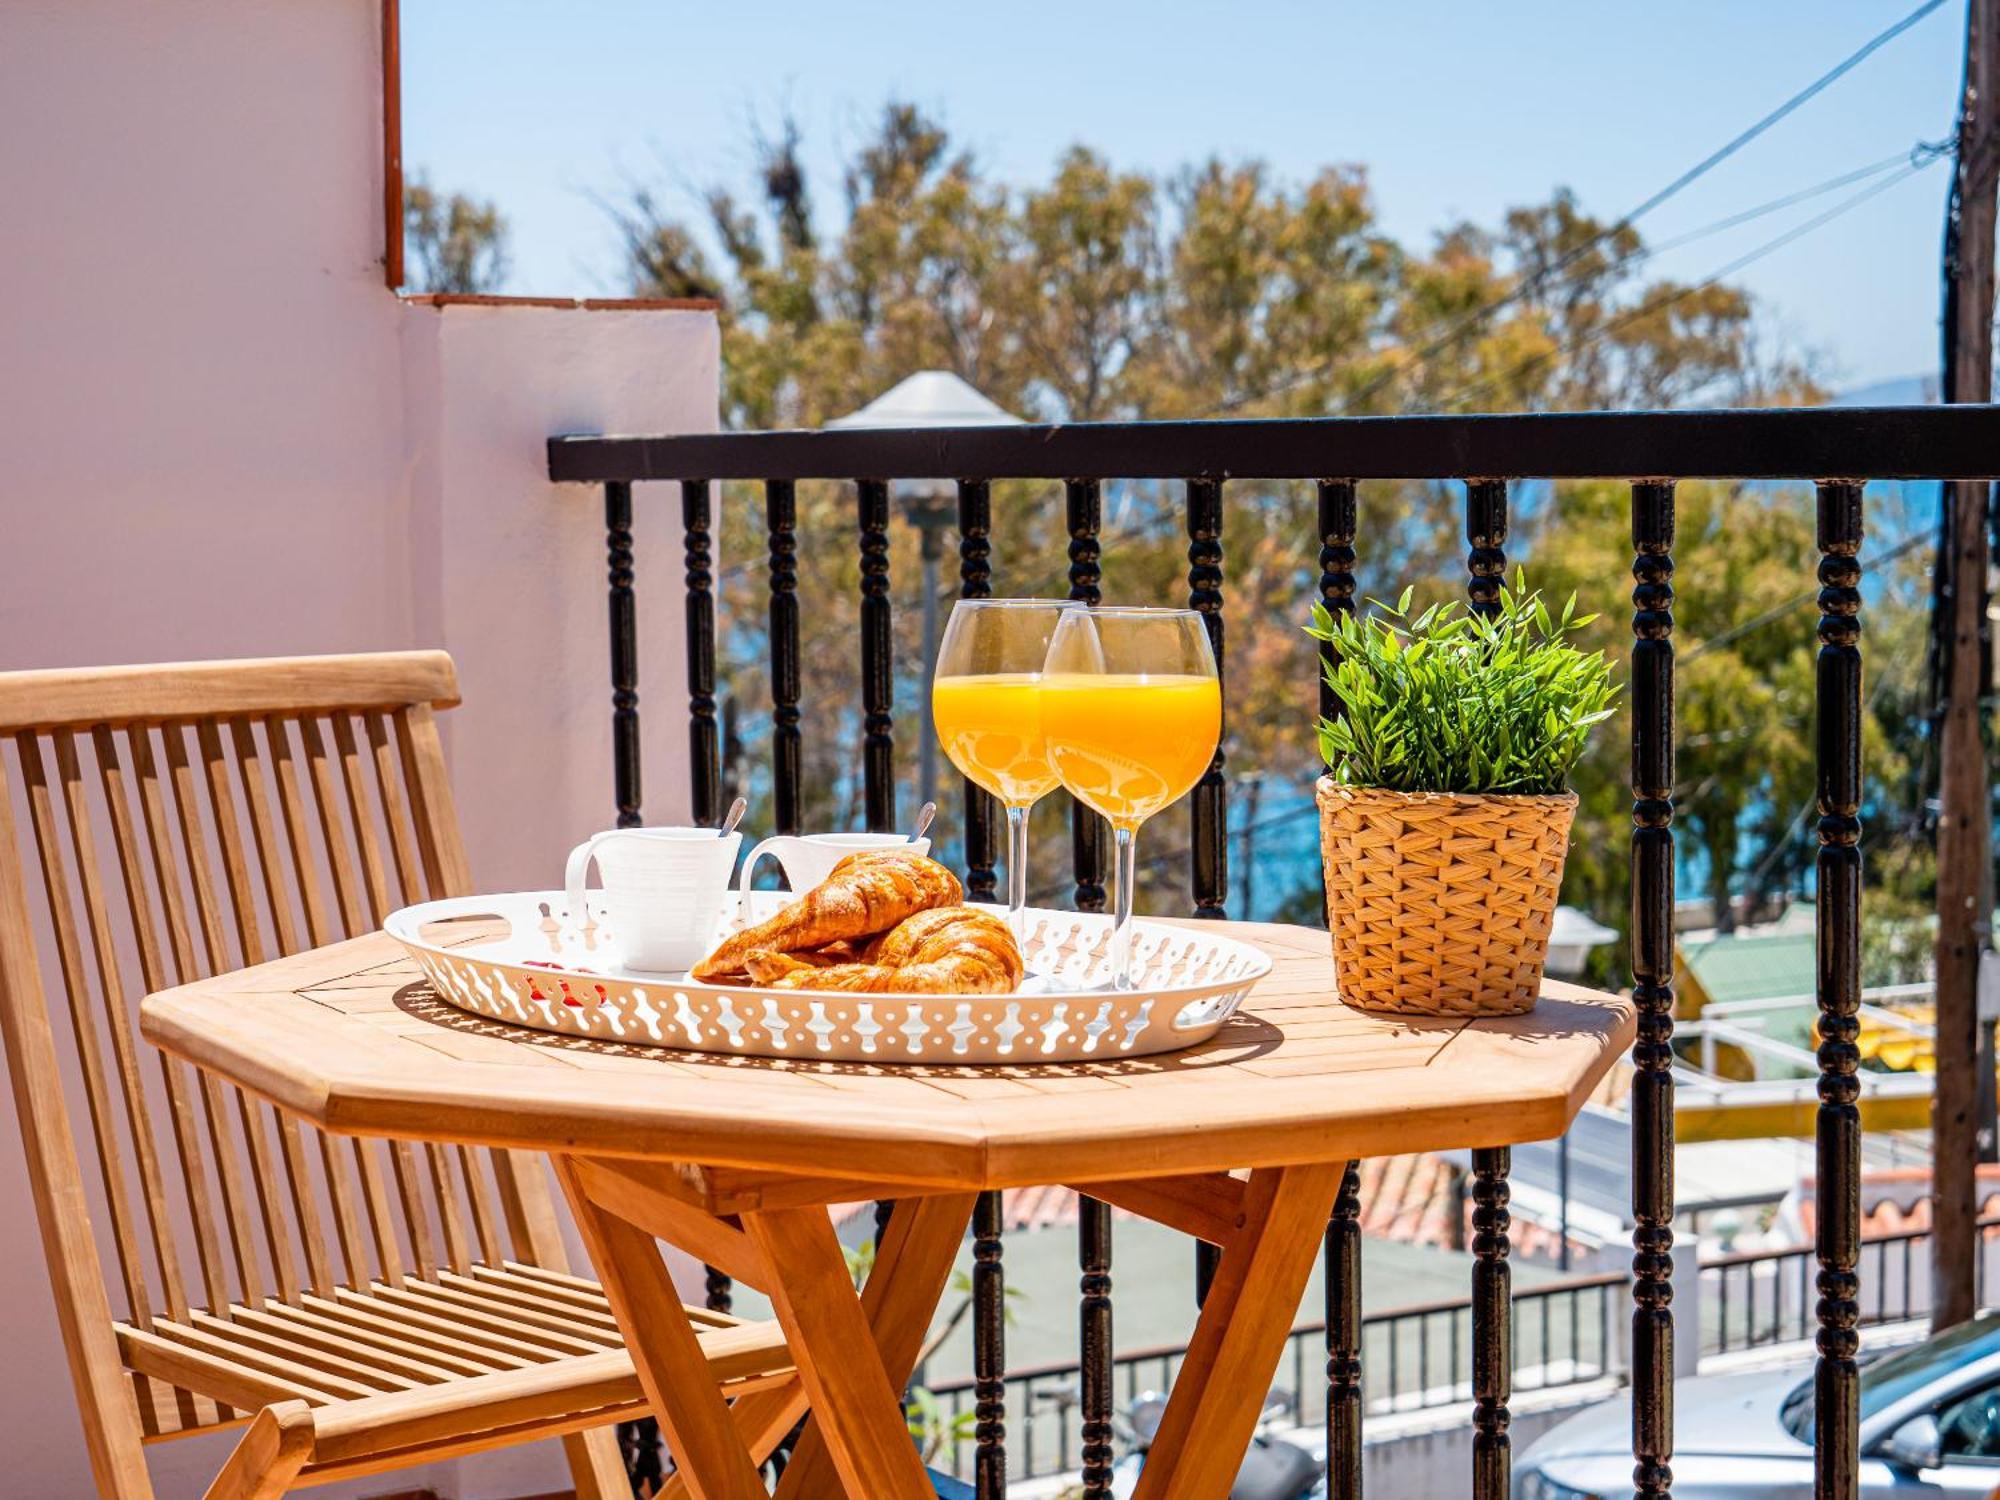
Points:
(1128, 743)
(990, 727)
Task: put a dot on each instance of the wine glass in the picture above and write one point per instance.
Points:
(1132, 711)
(989, 667)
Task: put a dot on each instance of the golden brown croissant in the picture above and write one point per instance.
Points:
(764, 965)
(867, 893)
(950, 950)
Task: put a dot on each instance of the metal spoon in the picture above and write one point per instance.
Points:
(924, 816)
(736, 810)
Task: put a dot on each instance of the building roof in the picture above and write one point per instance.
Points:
(929, 398)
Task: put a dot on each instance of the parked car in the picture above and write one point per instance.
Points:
(1930, 1425)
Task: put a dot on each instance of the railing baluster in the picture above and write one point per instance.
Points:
(781, 514)
(1837, 697)
(704, 737)
(624, 652)
(878, 745)
(989, 1280)
(1486, 534)
(1492, 1324)
(1084, 502)
(1492, 1278)
(1337, 516)
(975, 581)
(1652, 1105)
(1208, 808)
(989, 1351)
(1093, 1258)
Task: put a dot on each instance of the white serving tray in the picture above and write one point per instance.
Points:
(553, 974)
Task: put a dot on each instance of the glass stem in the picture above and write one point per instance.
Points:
(1017, 870)
(1124, 880)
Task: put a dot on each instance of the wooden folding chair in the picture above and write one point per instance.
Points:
(362, 1304)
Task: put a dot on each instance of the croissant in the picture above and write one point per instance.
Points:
(766, 965)
(867, 893)
(949, 950)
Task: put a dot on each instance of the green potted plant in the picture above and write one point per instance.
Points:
(1446, 809)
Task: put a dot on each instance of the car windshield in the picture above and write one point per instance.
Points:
(1887, 1380)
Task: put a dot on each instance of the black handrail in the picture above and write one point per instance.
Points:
(1880, 442)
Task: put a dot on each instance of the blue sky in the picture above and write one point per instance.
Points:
(1457, 110)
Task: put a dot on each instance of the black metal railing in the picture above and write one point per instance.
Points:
(1837, 449)
(1752, 1298)
(1416, 1358)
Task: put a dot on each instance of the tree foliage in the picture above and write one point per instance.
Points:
(453, 243)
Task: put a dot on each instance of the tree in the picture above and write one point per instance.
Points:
(456, 244)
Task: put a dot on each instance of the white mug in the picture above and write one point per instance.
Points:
(663, 890)
(808, 859)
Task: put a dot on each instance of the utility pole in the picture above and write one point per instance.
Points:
(1964, 840)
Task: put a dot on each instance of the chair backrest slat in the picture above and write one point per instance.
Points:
(229, 840)
(154, 972)
(89, 1049)
(305, 1203)
(395, 817)
(375, 1198)
(451, 1218)
(124, 1049)
(334, 838)
(431, 800)
(485, 1213)
(365, 842)
(251, 772)
(193, 850)
(112, 785)
(416, 1221)
(251, 810)
(346, 1215)
(298, 836)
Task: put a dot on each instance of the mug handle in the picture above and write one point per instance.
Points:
(775, 846)
(578, 870)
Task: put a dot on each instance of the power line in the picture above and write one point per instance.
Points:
(1541, 278)
(1918, 155)
(1681, 294)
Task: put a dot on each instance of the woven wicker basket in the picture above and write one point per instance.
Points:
(1441, 903)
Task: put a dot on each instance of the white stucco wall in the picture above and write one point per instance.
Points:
(223, 436)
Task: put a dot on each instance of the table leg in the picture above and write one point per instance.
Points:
(703, 1437)
(762, 1419)
(912, 1266)
(855, 1352)
(1240, 1337)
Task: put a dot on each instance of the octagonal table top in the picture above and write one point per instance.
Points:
(351, 1038)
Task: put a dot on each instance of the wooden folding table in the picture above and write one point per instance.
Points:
(1240, 1141)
